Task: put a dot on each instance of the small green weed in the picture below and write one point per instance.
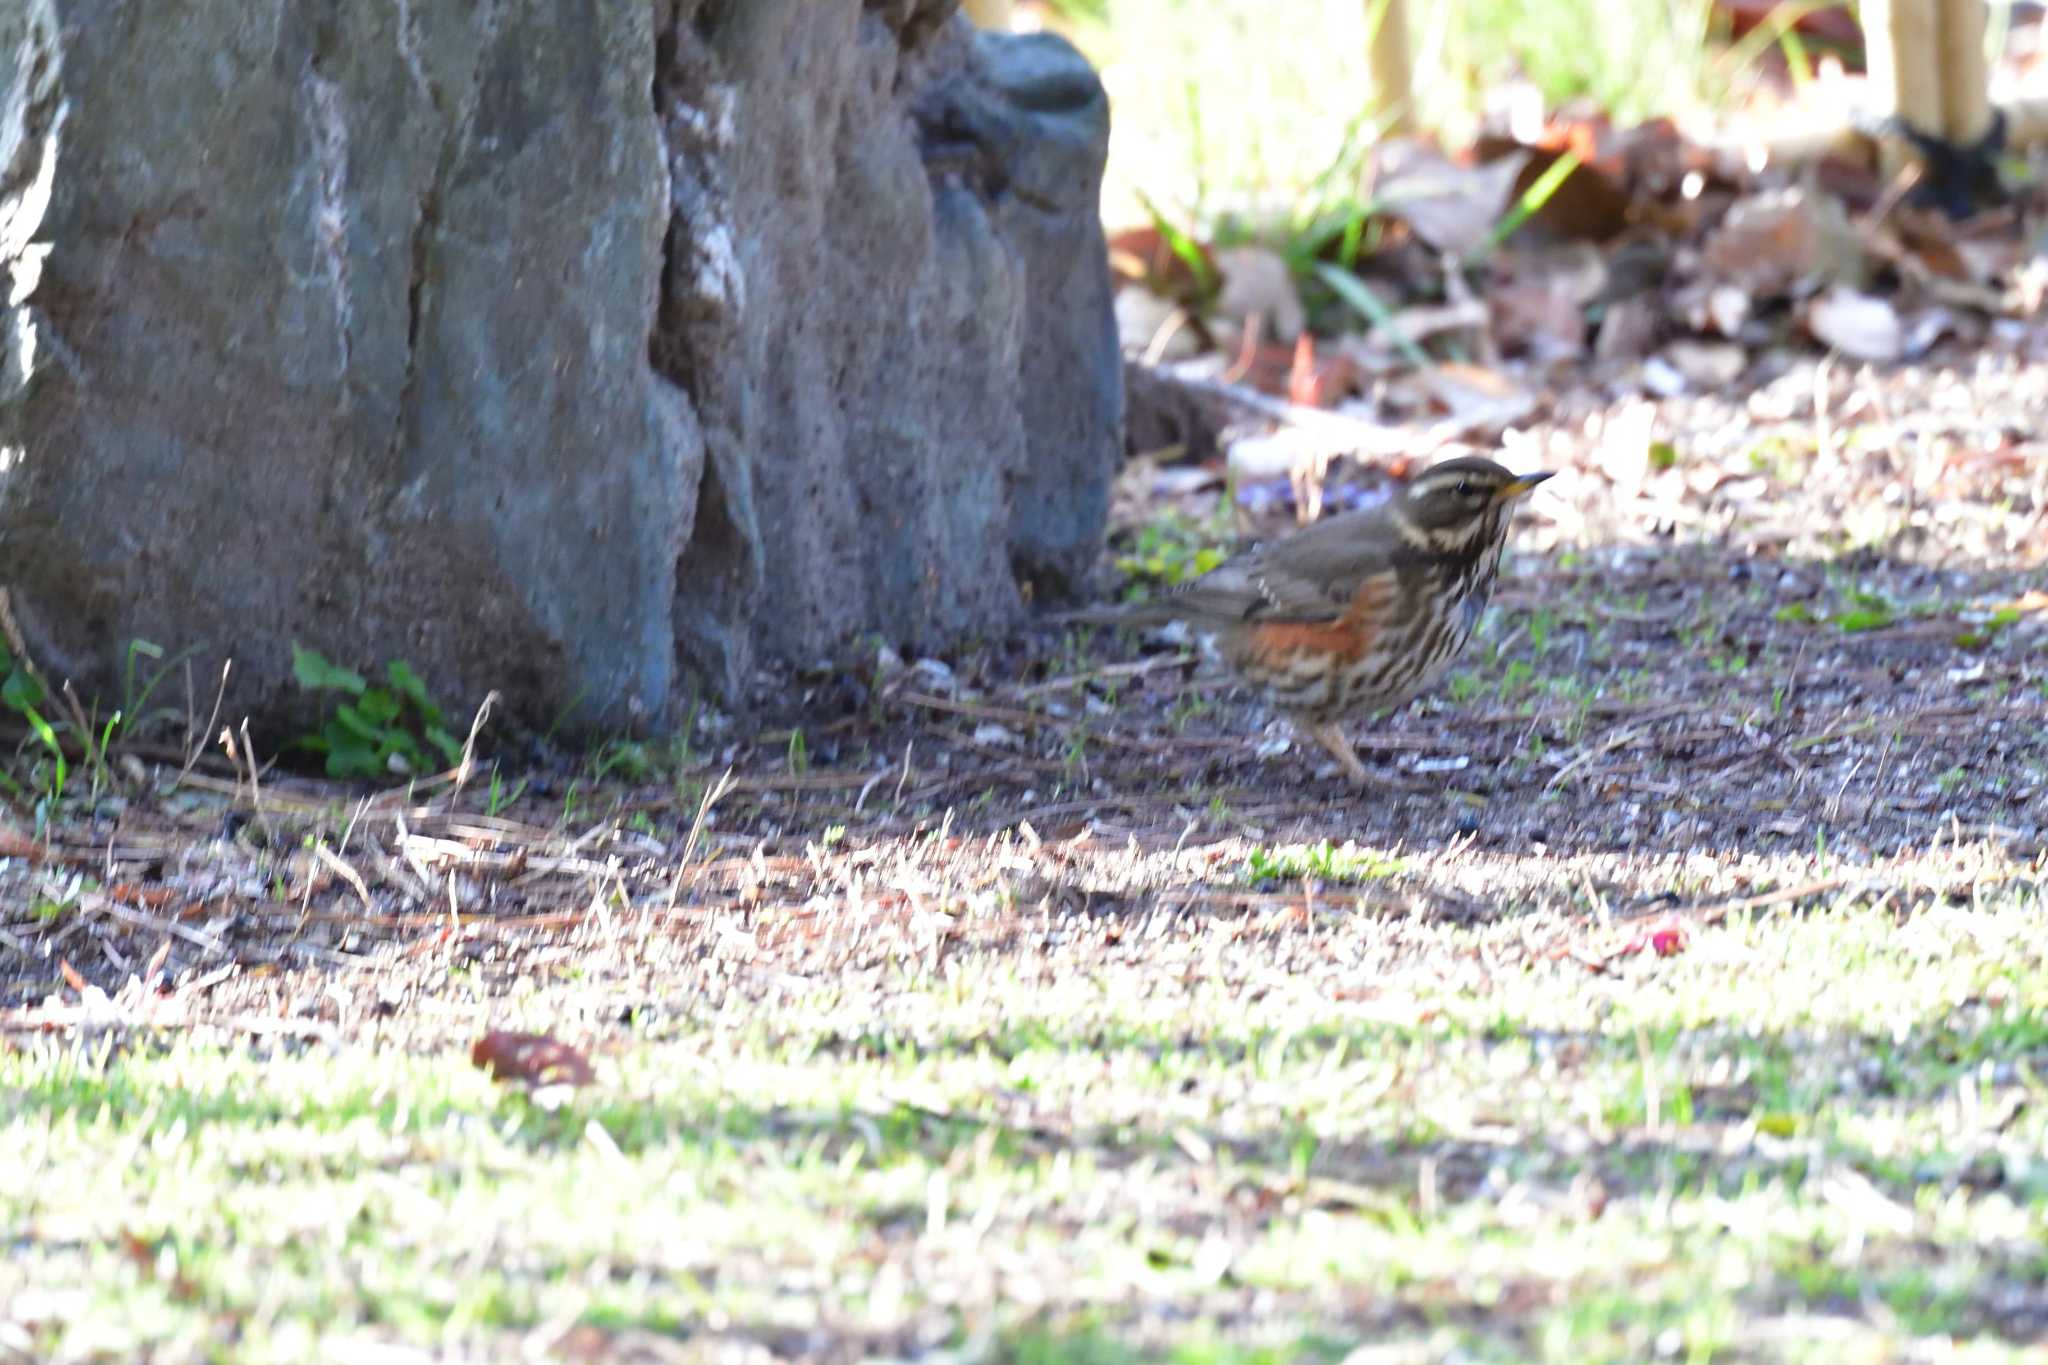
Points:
(89, 738)
(1171, 551)
(1346, 863)
(501, 796)
(373, 732)
(629, 759)
(1983, 632)
(1859, 611)
(22, 692)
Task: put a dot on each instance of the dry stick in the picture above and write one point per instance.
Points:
(197, 746)
(1620, 739)
(1134, 669)
(1003, 714)
(109, 906)
(903, 780)
(1008, 772)
(1022, 719)
(343, 870)
(278, 799)
(348, 830)
(861, 801)
(78, 717)
(1714, 913)
(457, 776)
(1353, 434)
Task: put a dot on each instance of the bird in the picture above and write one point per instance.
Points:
(1357, 612)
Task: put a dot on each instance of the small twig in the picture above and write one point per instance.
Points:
(107, 905)
(902, 781)
(196, 739)
(343, 870)
(255, 789)
(1135, 669)
(1619, 739)
(1713, 913)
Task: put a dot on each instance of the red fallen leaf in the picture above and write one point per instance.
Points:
(143, 897)
(70, 975)
(1664, 936)
(1319, 383)
(531, 1057)
(1589, 205)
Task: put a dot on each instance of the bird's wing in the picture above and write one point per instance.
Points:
(1311, 575)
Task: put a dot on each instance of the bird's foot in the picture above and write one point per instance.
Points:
(1331, 736)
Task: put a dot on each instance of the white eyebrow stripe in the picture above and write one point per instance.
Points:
(1426, 483)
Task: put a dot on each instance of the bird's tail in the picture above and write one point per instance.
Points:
(1136, 614)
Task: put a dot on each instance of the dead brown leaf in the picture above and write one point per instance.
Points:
(1783, 242)
(533, 1058)
(1451, 207)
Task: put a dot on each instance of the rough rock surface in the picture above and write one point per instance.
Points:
(588, 352)
(928, 410)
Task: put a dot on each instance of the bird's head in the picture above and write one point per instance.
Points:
(1462, 505)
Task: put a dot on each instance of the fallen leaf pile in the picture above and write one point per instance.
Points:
(1461, 288)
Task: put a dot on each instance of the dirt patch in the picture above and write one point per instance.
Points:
(1812, 629)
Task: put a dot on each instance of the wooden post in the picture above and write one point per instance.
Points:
(1899, 46)
(1928, 55)
(1965, 75)
(1393, 64)
(988, 13)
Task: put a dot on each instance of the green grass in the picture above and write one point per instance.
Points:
(1799, 1120)
(1222, 111)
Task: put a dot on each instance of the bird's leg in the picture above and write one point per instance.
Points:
(1331, 736)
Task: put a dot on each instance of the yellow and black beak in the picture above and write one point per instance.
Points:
(1521, 484)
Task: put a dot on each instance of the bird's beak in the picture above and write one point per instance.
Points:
(1524, 484)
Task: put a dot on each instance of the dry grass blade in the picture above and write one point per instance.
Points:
(712, 797)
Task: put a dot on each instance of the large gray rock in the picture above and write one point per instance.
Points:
(929, 407)
(417, 329)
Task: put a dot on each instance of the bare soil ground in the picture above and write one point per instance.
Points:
(1763, 706)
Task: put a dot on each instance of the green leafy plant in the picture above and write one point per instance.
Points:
(1323, 861)
(373, 731)
(68, 734)
(22, 692)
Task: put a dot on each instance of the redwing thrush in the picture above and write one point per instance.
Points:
(1359, 611)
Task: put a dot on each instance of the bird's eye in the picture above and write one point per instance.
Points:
(1464, 488)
